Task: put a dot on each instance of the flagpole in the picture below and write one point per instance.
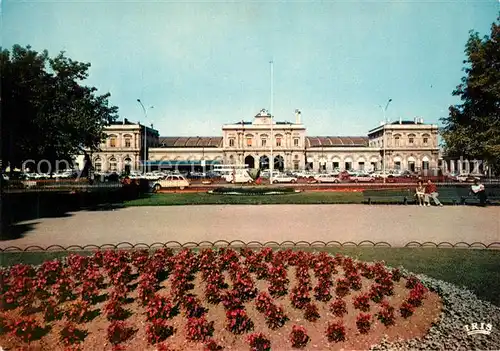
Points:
(271, 161)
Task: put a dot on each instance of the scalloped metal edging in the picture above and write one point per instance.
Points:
(125, 245)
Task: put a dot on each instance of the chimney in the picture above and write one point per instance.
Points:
(400, 120)
(297, 116)
(416, 120)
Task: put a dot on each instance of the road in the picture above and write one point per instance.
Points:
(396, 225)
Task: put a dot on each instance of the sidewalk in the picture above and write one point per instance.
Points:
(396, 225)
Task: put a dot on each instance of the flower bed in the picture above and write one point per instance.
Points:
(247, 300)
(251, 190)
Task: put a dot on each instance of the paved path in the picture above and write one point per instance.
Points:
(394, 224)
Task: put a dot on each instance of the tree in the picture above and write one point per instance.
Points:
(47, 114)
(472, 128)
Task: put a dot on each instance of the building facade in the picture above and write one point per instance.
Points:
(403, 145)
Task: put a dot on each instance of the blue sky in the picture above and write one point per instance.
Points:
(205, 63)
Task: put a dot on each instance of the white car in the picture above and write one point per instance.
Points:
(267, 174)
(362, 177)
(283, 178)
(327, 178)
(239, 177)
(171, 181)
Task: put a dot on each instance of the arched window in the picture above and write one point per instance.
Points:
(411, 138)
(127, 140)
(98, 165)
(397, 137)
(425, 139)
(112, 164)
(112, 141)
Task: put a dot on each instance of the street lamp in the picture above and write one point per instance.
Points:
(145, 130)
(384, 110)
(271, 161)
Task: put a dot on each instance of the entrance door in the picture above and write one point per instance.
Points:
(250, 161)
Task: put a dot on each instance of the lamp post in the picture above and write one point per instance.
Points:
(145, 131)
(271, 161)
(384, 110)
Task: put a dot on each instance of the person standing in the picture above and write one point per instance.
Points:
(478, 189)
(420, 193)
(431, 191)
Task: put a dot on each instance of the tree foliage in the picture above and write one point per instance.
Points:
(47, 113)
(472, 128)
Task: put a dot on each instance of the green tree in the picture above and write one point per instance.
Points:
(47, 112)
(472, 128)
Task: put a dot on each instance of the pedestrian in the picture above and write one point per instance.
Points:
(431, 191)
(420, 193)
(478, 189)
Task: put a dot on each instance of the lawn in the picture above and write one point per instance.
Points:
(174, 199)
(477, 270)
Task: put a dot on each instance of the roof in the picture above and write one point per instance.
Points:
(190, 142)
(337, 141)
(121, 122)
(406, 122)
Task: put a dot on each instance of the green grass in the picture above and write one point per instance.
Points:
(477, 270)
(212, 199)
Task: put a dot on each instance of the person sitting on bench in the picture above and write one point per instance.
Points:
(478, 189)
(420, 193)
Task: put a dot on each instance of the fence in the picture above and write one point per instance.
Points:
(250, 244)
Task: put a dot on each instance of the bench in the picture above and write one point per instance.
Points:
(448, 195)
(389, 196)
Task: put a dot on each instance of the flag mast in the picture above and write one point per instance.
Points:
(271, 161)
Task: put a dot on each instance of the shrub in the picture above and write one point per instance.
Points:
(411, 282)
(5, 324)
(158, 330)
(258, 342)
(311, 312)
(211, 345)
(278, 281)
(199, 329)
(119, 332)
(299, 337)
(363, 322)
(160, 308)
(213, 293)
(396, 275)
(262, 301)
(338, 307)
(417, 295)
(114, 310)
(238, 322)
(51, 311)
(386, 314)
(78, 311)
(275, 316)
(231, 300)
(71, 335)
(299, 296)
(362, 302)
(335, 332)
(322, 290)
(354, 280)
(376, 292)
(406, 309)
(27, 328)
(342, 287)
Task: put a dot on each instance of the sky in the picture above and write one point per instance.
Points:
(202, 64)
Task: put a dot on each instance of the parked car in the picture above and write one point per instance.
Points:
(267, 174)
(362, 178)
(284, 178)
(171, 181)
(468, 178)
(327, 178)
(239, 177)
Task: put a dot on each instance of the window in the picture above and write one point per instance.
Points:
(425, 165)
(127, 142)
(112, 164)
(361, 166)
(397, 165)
(336, 165)
(396, 141)
(411, 138)
(295, 142)
(98, 165)
(231, 142)
(348, 166)
(425, 140)
(278, 141)
(249, 141)
(264, 141)
(296, 165)
(112, 141)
